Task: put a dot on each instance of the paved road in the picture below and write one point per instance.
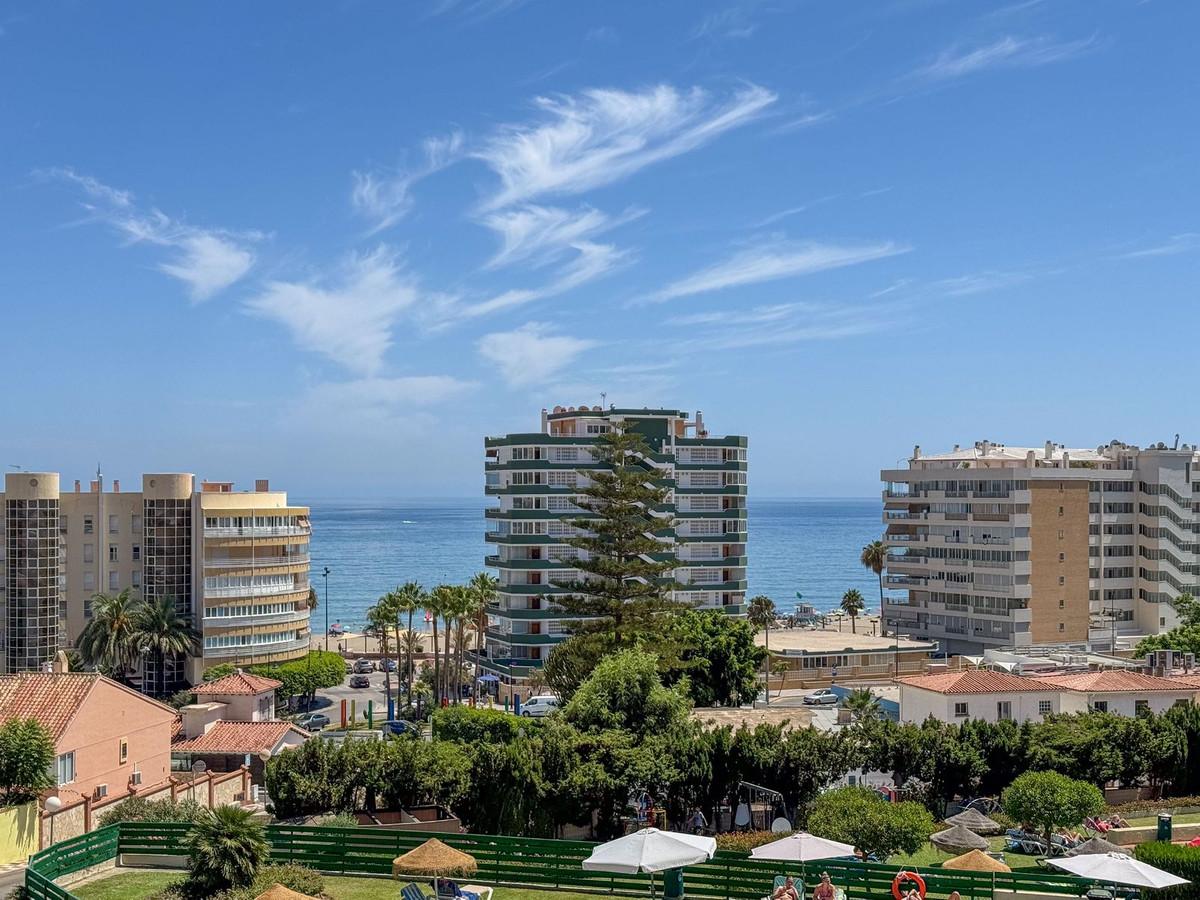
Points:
(11, 878)
(329, 699)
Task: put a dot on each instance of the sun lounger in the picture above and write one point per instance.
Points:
(411, 892)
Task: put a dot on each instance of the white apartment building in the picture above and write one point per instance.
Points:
(996, 546)
(535, 477)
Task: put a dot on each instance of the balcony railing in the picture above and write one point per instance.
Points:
(263, 531)
(296, 615)
(251, 650)
(247, 562)
(256, 590)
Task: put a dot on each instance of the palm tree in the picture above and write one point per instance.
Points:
(163, 632)
(410, 597)
(226, 848)
(874, 557)
(485, 587)
(852, 605)
(439, 603)
(380, 617)
(109, 640)
(862, 704)
(761, 614)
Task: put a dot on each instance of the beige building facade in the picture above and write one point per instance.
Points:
(234, 562)
(992, 546)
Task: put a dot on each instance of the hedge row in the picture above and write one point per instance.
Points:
(1178, 860)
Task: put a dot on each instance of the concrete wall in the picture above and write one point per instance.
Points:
(916, 705)
(18, 833)
(1059, 553)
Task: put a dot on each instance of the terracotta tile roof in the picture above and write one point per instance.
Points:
(1116, 681)
(1189, 680)
(974, 681)
(237, 683)
(51, 698)
(237, 737)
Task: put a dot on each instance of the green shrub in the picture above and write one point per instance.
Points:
(338, 820)
(139, 809)
(476, 726)
(1137, 808)
(1176, 859)
(297, 878)
(745, 841)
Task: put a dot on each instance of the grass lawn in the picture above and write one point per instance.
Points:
(930, 856)
(139, 885)
(1185, 819)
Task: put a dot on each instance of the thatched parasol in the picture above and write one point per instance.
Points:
(1095, 845)
(976, 861)
(958, 839)
(976, 821)
(434, 858)
(279, 892)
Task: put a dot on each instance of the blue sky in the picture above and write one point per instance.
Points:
(335, 244)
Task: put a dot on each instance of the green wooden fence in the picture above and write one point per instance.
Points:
(529, 862)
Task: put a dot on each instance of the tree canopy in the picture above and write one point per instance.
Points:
(1049, 800)
(859, 816)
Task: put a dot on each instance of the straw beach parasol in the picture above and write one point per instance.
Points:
(278, 892)
(976, 821)
(975, 861)
(434, 858)
(959, 838)
(1095, 845)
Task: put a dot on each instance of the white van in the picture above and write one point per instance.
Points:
(536, 707)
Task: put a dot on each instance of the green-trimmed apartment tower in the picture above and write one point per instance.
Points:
(535, 477)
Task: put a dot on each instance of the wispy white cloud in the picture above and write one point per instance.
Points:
(531, 353)
(978, 283)
(349, 318)
(730, 22)
(600, 136)
(602, 34)
(543, 234)
(785, 323)
(386, 197)
(792, 211)
(382, 398)
(1187, 242)
(592, 261)
(808, 120)
(959, 61)
(774, 260)
(475, 10)
(206, 260)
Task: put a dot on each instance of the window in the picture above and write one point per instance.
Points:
(1062, 557)
(113, 527)
(137, 552)
(1062, 626)
(135, 524)
(265, 705)
(597, 429)
(89, 553)
(1100, 706)
(65, 768)
(1141, 707)
(1060, 510)
(137, 579)
(1004, 710)
(124, 752)
(89, 581)
(1044, 707)
(112, 554)
(89, 524)
(114, 581)
(1062, 604)
(1060, 534)
(1062, 579)
(960, 710)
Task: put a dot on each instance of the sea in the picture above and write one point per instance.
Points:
(808, 547)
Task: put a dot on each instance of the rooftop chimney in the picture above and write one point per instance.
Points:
(1049, 449)
(95, 486)
(116, 486)
(261, 485)
(917, 451)
(77, 485)
(1029, 459)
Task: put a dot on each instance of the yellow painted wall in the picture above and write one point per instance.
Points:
(18, 833)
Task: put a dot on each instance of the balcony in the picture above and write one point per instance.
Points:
(257, 562)
(263, 532)
(298, 615)
(252, 651)
(256, 590)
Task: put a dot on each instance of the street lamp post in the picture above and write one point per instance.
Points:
(52, 806)
(326, 574)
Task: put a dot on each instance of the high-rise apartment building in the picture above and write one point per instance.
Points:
(234, 562)
(536, 476)
(998, 546)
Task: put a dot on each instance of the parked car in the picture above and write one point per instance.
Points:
(349, 667)
(823, 697)
(401, 726)
(386, 665)
(359, 681)
(536, 707)
(363, 666)
(313, 721)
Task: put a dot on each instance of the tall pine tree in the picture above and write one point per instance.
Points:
(625, 597)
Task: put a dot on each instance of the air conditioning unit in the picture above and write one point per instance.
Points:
(101, 792)
(136, 778)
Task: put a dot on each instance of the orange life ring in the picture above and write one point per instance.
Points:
(902, 877)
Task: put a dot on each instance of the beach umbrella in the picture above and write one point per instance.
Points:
(278, 892)
(958, 839)
(976, 821)
(975, 861)
(650, 850)
(1117, 868)
(802, 847)
(1093, 846)
(434, 858)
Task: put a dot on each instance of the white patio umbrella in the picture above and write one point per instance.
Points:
(802, 847)
(650, 850)
(1117, 868)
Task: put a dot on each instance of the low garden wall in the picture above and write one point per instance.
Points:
(527, 862)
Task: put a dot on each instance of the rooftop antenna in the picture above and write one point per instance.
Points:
(603, 398)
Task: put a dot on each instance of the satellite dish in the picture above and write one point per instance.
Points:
(781, 826)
